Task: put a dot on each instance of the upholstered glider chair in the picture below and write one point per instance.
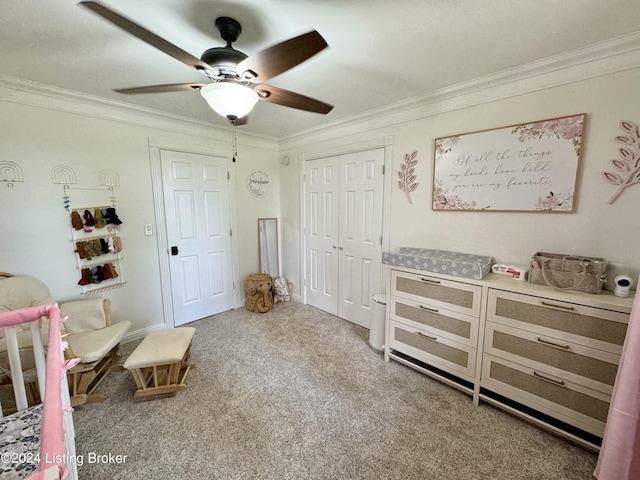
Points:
(91, 336)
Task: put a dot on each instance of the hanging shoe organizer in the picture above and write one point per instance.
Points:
(95, 234)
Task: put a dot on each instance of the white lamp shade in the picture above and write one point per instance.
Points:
(229, 99)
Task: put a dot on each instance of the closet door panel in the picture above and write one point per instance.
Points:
(360, 221)
(321, 227)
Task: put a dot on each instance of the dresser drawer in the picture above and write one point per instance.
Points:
(553, 395)
(433, 291)
(592, 368)
(436, 350)
(439, 321)
(593, 327)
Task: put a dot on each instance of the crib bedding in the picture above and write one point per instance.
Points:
(20, 443)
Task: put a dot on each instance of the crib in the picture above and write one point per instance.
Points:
(37, 442)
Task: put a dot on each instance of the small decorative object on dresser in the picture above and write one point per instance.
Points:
(623, 285)
(515, 272)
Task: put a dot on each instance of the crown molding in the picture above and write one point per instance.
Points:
(27, 92)
(612, 56)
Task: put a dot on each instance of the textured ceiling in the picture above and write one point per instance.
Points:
(381, 52)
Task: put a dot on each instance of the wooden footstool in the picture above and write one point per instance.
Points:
(160, 363)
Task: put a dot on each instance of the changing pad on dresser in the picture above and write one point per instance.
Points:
(441, 261)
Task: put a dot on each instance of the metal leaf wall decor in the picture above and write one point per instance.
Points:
(407, 175)
(628, 165)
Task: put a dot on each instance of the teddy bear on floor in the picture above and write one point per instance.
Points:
(258, 289)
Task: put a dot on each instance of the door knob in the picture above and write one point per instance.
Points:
(174, 250)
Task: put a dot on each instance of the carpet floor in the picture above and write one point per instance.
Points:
(296, 393)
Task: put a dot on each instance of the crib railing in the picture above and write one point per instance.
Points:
(57, 434)
(15, 363)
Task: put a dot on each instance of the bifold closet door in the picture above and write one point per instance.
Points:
(322, 192)
(343, 233)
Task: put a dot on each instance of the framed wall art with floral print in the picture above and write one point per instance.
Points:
(530, 167)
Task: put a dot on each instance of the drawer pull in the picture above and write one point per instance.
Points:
(547, 342)
(434, 310)
(428, 280)
(557, 382)
(429, 337)
(564, 307)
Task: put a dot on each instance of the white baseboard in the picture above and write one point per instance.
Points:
(141, 333)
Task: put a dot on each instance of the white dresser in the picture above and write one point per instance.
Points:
(435, 321)
(547, 355)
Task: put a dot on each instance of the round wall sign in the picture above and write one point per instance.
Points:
(258, 183)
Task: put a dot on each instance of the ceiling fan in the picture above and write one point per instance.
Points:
(234, 79)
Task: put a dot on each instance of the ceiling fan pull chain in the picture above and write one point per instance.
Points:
(235, 143)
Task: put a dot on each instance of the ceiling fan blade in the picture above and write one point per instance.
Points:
(291, 99)
(146, 36)
(171, 87)
(281, 57)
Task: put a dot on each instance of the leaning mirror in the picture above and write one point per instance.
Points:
(268, 246)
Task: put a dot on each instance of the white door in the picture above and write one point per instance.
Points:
(196, 198)
(360, 232)
(343, 233)
(322, 192)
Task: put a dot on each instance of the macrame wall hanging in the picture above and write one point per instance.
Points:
(628, 165)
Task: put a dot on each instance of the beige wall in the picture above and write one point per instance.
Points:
(41, 131)
(42, 128)
(595, 229)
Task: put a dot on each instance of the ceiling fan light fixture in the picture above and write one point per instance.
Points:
(229, 99)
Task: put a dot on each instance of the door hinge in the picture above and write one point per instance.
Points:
(382, 169)
(228, 177)
(304, 177)
(231, 232)
(305, 282)
(380, 239)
